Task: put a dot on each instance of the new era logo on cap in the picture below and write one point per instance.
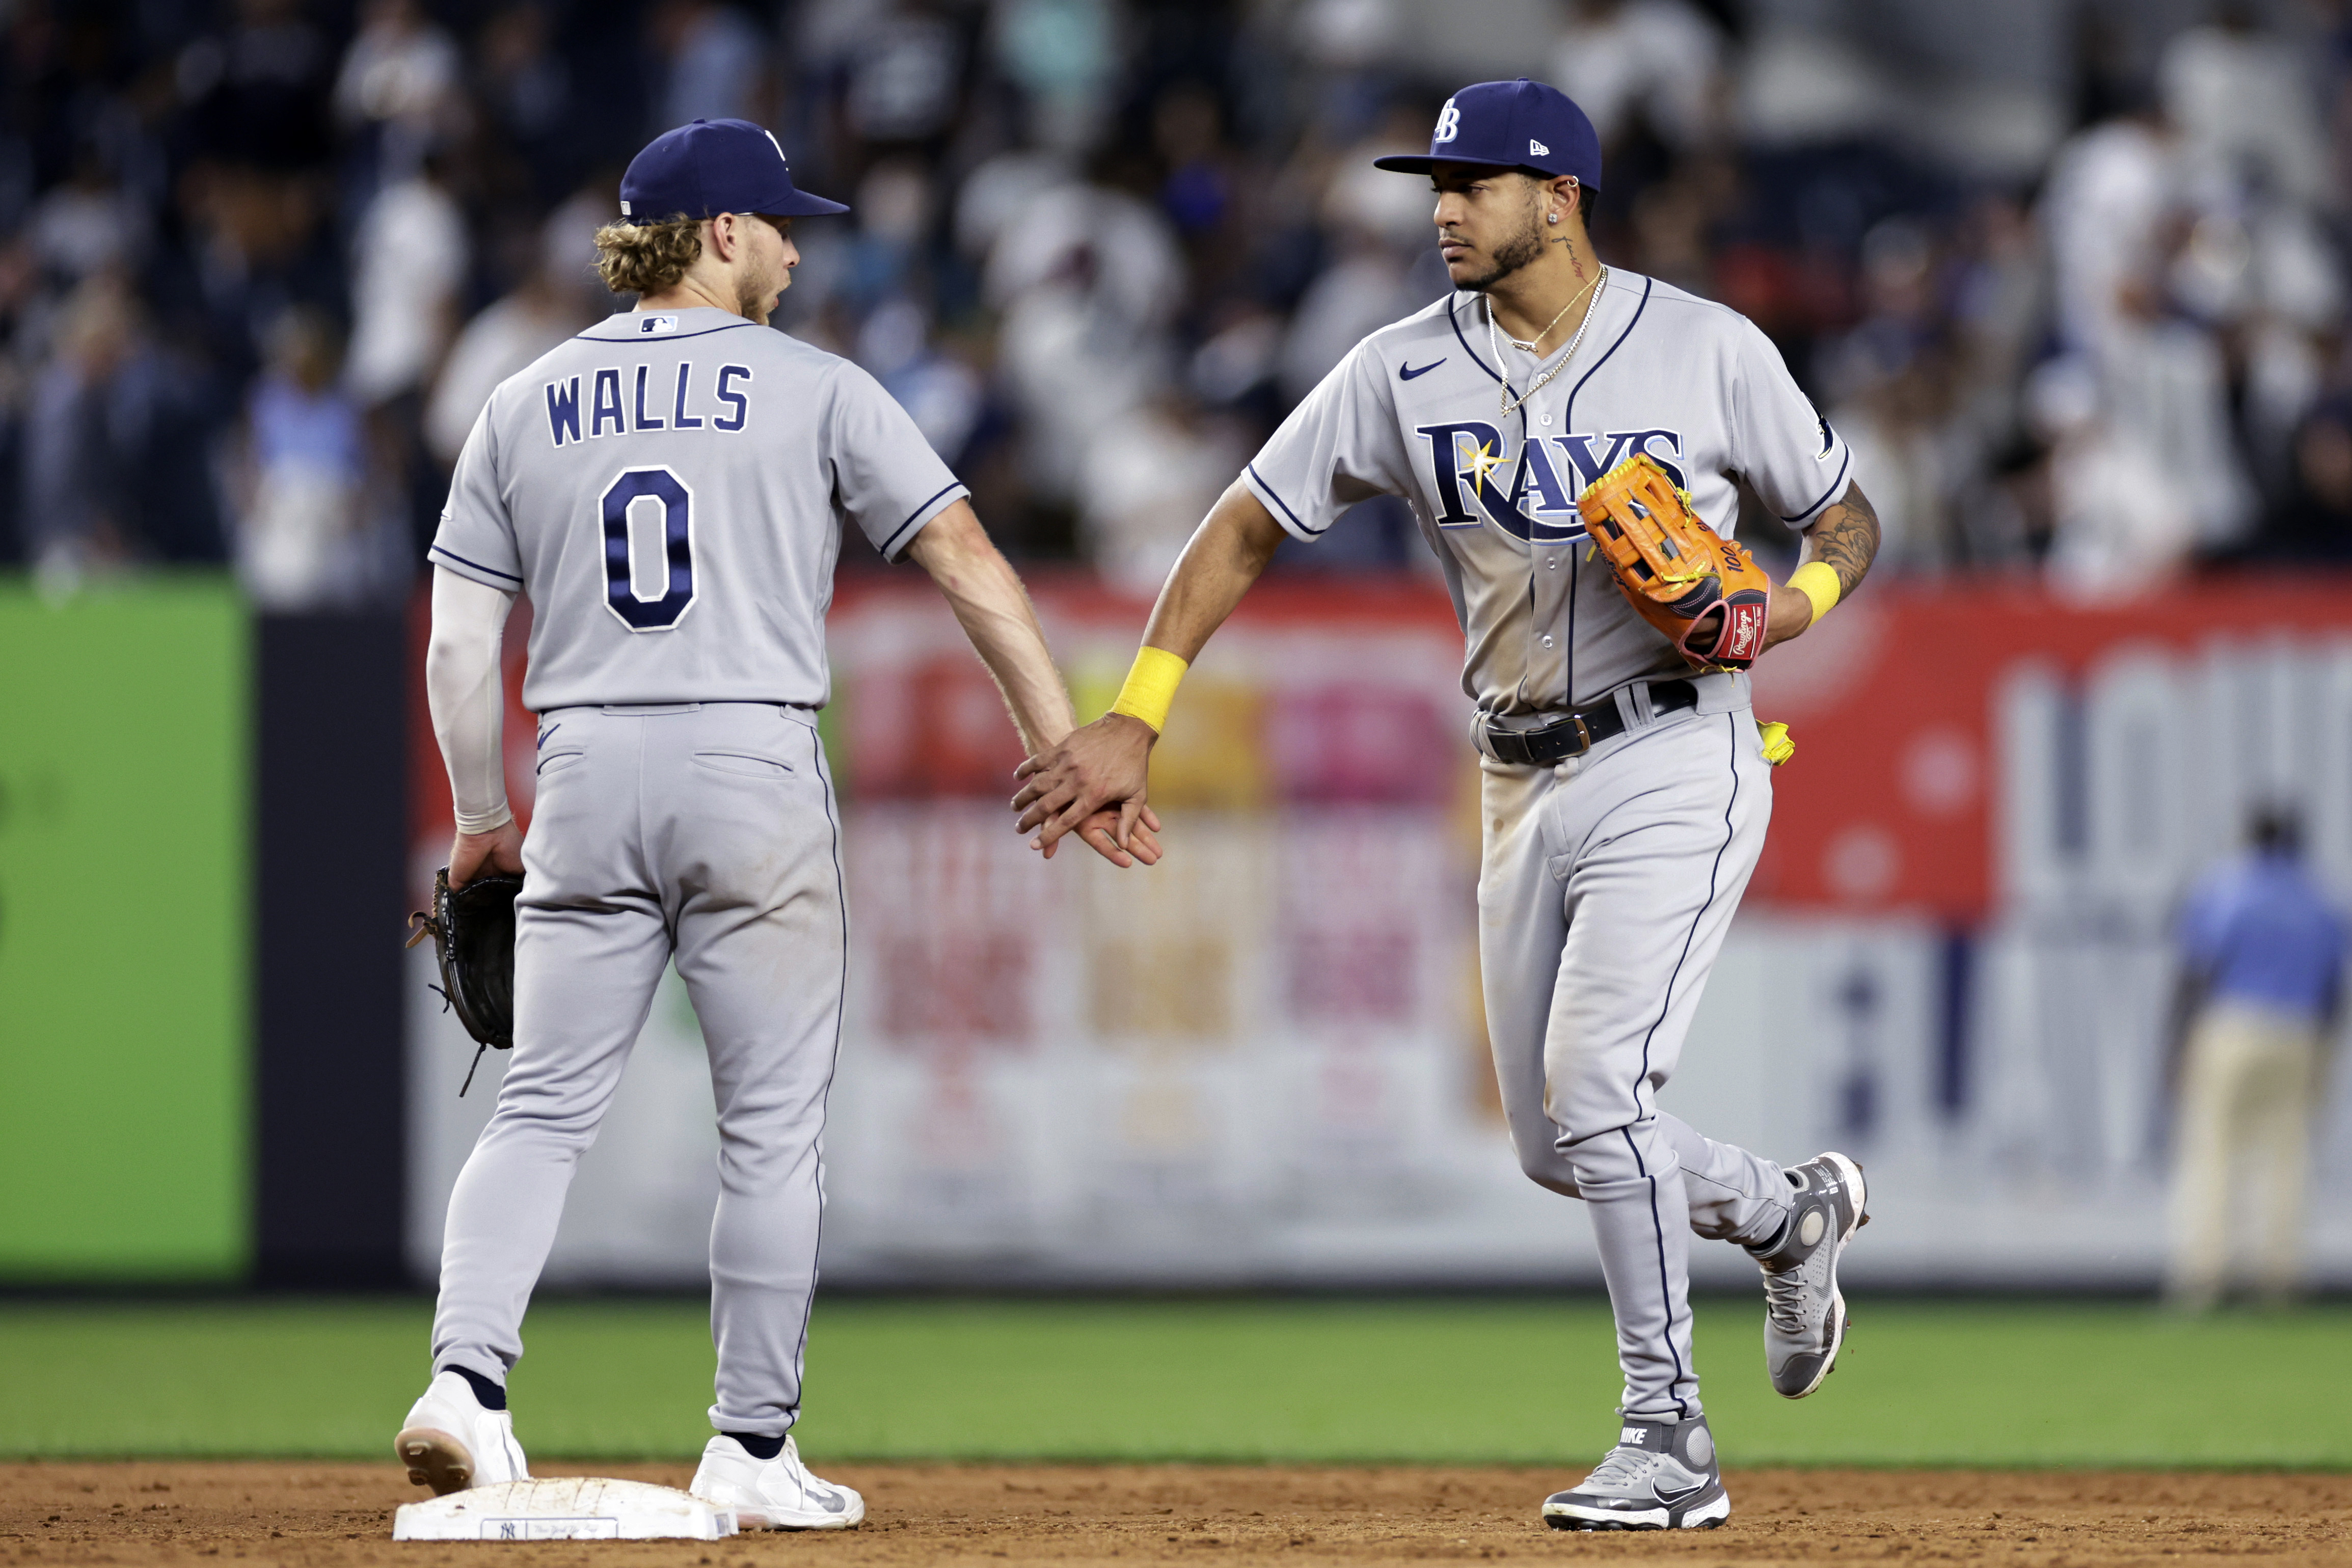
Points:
(1509, 125)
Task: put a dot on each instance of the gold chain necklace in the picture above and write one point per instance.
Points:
(1532, 346)
(1508, 403)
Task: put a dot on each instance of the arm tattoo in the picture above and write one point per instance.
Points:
(1846, 538)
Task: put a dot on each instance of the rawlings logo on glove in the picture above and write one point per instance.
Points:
(1705, 592)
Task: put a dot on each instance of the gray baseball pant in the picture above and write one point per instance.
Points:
(1607, 885)
(706, 833)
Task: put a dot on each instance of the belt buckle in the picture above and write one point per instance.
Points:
(1533, 748)
(1583, 734)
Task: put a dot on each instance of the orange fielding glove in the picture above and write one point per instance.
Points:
(1673, 569)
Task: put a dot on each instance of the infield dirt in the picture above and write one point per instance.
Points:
(339, 1516)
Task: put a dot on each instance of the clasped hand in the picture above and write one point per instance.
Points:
(1092, 783)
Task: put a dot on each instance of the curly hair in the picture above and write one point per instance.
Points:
(646, 257)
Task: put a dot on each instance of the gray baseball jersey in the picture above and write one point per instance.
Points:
(1607, 883)
(669, 489)
(1416, 410)
(672, 487)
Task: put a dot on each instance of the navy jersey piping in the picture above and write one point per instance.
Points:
(1665, 1285)
(1713, 876)
(1574, 557)
(1826, 494)
(1568, 421)
(439, 549)
(1251, 468)
(590, 335)
(952, 485)
(1456, 321)
(841, 997)
(1568, 414)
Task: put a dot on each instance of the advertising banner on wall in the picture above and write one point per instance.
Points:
(1264, 1060)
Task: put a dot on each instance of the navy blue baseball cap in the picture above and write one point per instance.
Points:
(715, 166)
(1516, 124)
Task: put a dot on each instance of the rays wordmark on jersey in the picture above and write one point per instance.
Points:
(1471, 464)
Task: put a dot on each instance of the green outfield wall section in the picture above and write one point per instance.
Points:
(124, 932)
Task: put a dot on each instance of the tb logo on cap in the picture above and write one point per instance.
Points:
(1449, 123)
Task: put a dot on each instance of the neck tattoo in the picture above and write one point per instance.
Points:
(1510, 404)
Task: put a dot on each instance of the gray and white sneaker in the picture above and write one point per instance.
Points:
(773, 1494)
(1661, 1475)
(1804, 1315)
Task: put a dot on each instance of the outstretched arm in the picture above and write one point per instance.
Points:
(1844, 539)
(1109, 760)
(995, 610)
(988, 599)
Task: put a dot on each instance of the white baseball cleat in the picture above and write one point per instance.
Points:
(772, 1494)
(450, 1442)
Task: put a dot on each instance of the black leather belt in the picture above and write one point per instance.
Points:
(1577, 730)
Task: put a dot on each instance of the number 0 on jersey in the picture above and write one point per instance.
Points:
(677, 503)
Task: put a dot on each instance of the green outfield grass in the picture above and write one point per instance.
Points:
(1921, 1384)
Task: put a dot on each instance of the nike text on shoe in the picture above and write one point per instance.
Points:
(772, 1494)
(450, 1442)
(1661, 1475)
(1804, 1316)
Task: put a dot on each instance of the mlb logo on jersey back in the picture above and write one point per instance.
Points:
(653, 326)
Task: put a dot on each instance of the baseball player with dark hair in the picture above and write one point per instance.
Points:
(1572, 439)
(670, 488)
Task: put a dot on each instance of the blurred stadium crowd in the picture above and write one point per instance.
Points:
(264, 260)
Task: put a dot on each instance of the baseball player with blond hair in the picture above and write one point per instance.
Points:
(1572, 439)
(670, 488)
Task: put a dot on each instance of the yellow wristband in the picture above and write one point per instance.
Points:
(1150, 687)
(1818, 581)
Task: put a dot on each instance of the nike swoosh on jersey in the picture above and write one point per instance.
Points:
(1406, 372)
